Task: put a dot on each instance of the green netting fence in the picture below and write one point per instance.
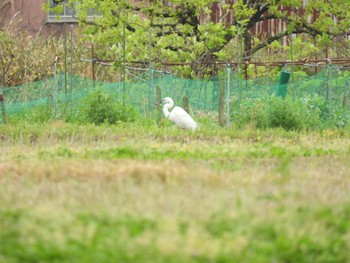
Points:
(329, 85)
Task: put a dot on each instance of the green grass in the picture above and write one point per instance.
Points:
(142, 193)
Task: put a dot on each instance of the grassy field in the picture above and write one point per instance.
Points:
(140, 193)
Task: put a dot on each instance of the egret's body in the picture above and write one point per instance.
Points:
(178, 115)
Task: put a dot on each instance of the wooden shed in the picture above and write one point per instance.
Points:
(31, 17)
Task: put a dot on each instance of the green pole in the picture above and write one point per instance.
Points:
(292, 59)
(240, 58)
(71, 67)
(93, 65)
(55, 87)
(228, 95)
(124, 63)
(329, 84)
(71, 50)
(150, 69)
(65, 58)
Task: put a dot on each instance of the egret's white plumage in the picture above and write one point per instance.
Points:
(178, 115)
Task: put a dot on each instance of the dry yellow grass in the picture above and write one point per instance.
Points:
(207, 194)
(175, 187)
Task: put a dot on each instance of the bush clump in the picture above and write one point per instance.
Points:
(275, 112)
(99, 107)
(287, 114)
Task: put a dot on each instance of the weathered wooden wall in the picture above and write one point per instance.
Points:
(30, 14)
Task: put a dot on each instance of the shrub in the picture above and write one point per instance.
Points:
(251, 112)
(99, 107)
(275, 112)
(285, 114)
(332, 115)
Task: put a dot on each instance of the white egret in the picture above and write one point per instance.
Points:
(178, 115)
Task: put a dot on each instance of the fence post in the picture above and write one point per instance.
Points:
(65, 56)
(159, 106)
(150, 89)
(186, 104)
(221, 103)
(93, 61)
(71, 51)
(228, 95)
(55, 87)
(3, 111)
(329, 84)
(124, 64)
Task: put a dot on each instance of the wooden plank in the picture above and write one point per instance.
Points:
(3, 111)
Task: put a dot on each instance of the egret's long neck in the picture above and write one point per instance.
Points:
(166, 110)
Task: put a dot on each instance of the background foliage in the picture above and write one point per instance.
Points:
(195, 31)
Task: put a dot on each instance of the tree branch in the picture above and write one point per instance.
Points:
(273, 38)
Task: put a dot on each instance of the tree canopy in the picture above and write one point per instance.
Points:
(203, 31)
